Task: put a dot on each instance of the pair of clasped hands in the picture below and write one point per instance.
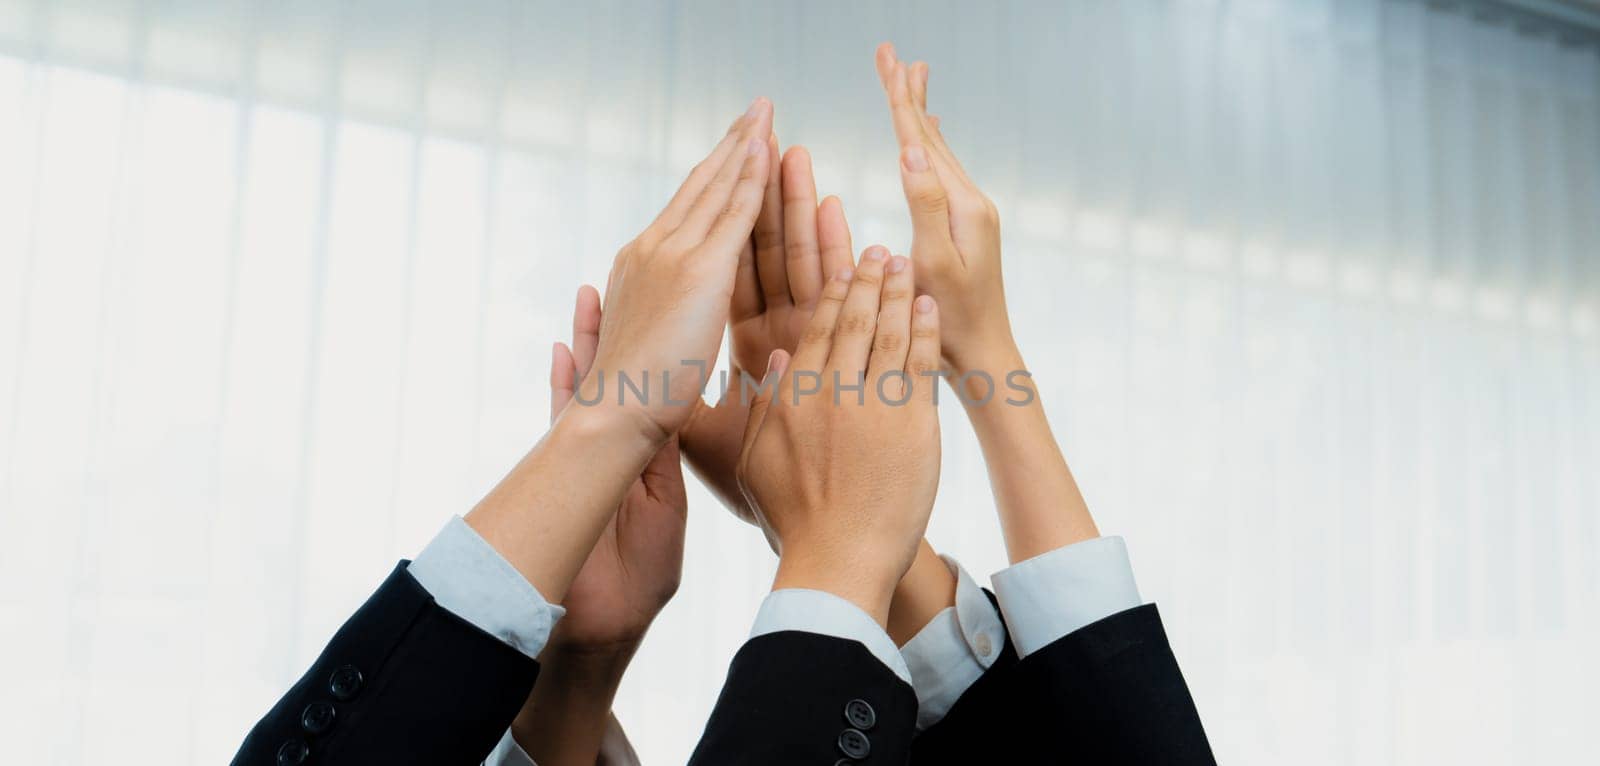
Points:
(841, 480)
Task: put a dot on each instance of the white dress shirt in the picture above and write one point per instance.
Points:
(953, 650)
(1042, 599)
(467, 576)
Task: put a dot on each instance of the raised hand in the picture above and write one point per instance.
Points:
(665, 309)
(955, 239)
(956, 244)
(782, 269)
(673, 284)
(629, 576)
(842, 479)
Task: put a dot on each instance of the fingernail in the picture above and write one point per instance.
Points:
(924, 304)
(897, 264)
(775, 362)
(916, 160)
(845, 274)
(874, 253)
(755, 106)
(755, 145)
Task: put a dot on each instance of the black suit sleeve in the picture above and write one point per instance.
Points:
(983, 726)
(803, 698)
(404, 681)
(1108, 693)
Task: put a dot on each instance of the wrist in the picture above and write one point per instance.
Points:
(926, 589)
(994, 378)
(995, 354)
(563, 719)
(862, 578)
(627, 429)
(577, 665)
(546, 514)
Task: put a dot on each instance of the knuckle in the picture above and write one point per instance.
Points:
(929, 201)
(716, 187)
(889, 342)
(748, 170)
(816, 332)
(925, 331)
(894, 294)
(867, 277)
(856, 323)
(921, 366)
(733, 208)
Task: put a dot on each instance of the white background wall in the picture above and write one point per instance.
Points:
(1312, 290)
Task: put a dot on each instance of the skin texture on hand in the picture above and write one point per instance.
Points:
(795, 245)
(682, 269)
(631, 573)
(842, 481)
(955, 228)
(956, 243)
(781, 272)
(667, 301)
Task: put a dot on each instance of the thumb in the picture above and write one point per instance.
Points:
(763, 398)
(563, 378)
(925, 195)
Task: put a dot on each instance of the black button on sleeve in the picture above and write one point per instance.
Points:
(860, 715)
(317, 718)
(854, 744)
(345, 683)
(293, 752)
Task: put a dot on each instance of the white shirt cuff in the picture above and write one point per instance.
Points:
(1056, 593)
(815, 611)
(507, 752)
(953, 650)
(467, 576)
(615, 749)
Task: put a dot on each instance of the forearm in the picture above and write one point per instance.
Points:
(546, 514)
(565, 717)
(1038, 501)
(927, 588)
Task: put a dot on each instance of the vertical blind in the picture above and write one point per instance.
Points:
(1311, 289)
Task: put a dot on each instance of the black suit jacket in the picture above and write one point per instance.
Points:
(804, 698)
(1108, 693)
(404, 681)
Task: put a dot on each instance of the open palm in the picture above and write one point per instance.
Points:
(795, 246)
